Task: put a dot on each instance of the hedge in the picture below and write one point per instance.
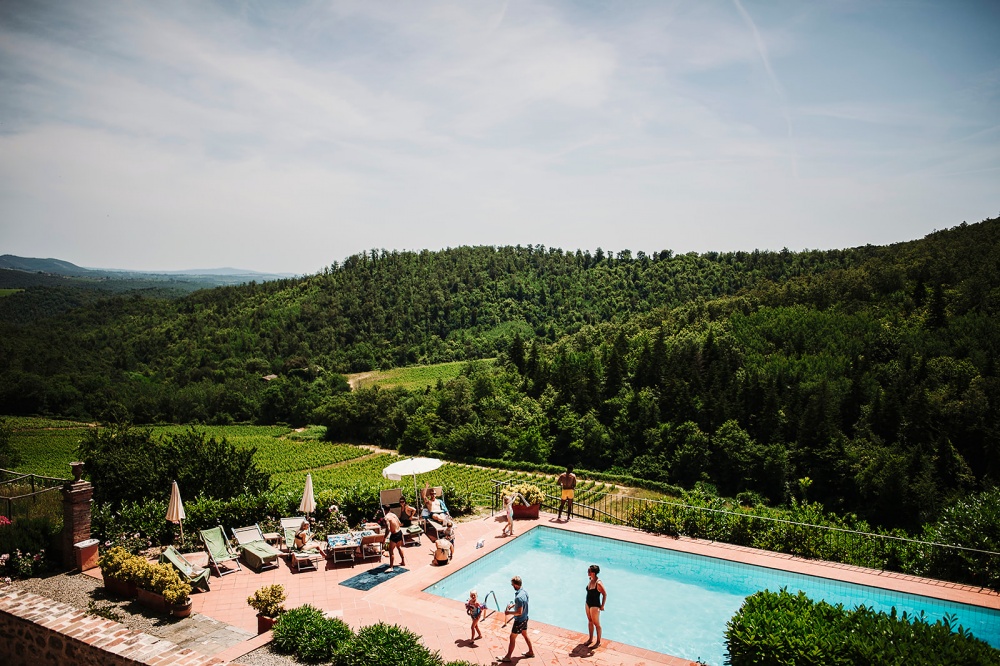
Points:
(779, 628)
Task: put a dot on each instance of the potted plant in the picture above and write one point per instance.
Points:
(119, 569)
(527, 500)
(267, 601)
(153, 581)
(177, 596)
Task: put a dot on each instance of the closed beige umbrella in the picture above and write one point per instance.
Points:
(308, 504)
(175, 510)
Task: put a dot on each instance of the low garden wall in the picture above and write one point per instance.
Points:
(38, 631)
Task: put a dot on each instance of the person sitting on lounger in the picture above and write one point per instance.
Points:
(303, 538)
(407, 514)
(435, 508)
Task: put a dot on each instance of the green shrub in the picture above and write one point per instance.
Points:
(177, 593)
(525, 494)
(782, 628)
(268, 600)
(973, 522)
(133, 525)
(387, 645)
(355, 502)
(292, 625)
(126, 464)
(324, 640)
(116, 562)
(311, 636)
(29, 534)
(23, 546)
(155, 577)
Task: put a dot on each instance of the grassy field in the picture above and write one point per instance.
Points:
(8, 292)
(416, 377)
(48, 446)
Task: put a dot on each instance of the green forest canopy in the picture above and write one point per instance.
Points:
(863, 378)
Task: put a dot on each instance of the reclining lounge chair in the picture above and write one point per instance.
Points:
(432, 523)
(193, 575)
(389, 499)
(217, 546)
(292, 523)
(299, 559)
(257, 553)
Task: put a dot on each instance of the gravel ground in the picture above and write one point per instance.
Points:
(83, 592)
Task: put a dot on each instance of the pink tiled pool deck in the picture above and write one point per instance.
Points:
(444, 626)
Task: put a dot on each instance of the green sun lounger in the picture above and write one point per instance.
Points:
(257, 553)
(193, 575)
(217, 546)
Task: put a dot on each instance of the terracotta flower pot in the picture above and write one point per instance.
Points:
(181, 610)
(152, 600)
(122, 589)
(522, 512)
(264, 623)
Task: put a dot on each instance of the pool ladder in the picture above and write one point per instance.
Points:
(496, 602)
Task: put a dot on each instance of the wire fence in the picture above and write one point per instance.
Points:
(30, 495)
(958, 564)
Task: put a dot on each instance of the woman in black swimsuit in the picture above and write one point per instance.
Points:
(596, 596)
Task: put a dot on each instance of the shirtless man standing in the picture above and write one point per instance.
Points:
(395, 542)
(566, 481)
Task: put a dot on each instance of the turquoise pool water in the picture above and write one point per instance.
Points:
(662, 600)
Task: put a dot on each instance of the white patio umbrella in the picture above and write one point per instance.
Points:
(308, 503)
(175, 509)
(411, 466)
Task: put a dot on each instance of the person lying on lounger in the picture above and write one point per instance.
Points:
(435, 508)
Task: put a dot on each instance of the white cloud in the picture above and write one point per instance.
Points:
(284, 137)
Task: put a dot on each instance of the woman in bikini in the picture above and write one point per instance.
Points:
(596, 596)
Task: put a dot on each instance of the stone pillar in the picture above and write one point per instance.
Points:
(76, 513)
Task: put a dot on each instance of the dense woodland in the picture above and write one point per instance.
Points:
(863, 378)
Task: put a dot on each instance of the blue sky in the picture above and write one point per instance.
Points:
(282, 137)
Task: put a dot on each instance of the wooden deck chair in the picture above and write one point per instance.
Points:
(192, 574)
(257, 553)
(389, 500)
(218, 549)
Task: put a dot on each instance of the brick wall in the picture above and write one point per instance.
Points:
(37, 631)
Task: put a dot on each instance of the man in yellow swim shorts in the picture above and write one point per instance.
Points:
(566, 481)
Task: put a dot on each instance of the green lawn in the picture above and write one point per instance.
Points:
(415, 377)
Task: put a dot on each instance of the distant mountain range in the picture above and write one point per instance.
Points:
(59, 267)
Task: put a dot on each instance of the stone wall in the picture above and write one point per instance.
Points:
(37, 631)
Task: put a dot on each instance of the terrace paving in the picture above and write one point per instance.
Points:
(443, 624)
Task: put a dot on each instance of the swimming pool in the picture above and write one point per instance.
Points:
(663, 600)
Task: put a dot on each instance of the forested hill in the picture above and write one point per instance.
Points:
(871, 371)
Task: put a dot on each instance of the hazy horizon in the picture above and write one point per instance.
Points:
(284, 138)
